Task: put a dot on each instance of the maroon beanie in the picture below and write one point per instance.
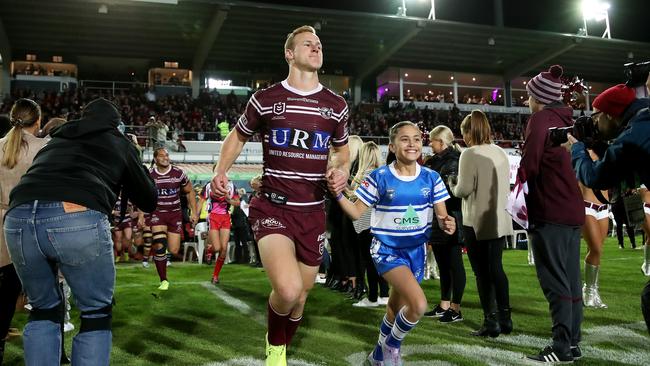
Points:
(615, 100)
(546, 87)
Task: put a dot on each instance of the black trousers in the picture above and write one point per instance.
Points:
(377, 285)
(485, 256)
(618, 211)
(240, 237)
(452, 271)
(10, 288)
(557, 261)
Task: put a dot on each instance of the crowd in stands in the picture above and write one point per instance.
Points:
(197, 119)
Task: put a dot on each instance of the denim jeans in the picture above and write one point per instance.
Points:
(42, 238)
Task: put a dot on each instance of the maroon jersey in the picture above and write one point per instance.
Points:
(297, 130)
(170, 186)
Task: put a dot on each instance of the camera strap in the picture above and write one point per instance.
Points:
(600, 197)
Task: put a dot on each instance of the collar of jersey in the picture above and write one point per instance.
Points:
(159, 173)
(411, 178)
(290, 88)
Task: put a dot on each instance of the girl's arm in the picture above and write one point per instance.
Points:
(446, 222)
(353, 210)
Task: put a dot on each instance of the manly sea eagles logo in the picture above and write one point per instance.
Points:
(326, 112)
(279, 107)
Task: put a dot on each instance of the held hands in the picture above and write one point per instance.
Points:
(194, 218)
(447, 224)
(219, 185)
(337, 180)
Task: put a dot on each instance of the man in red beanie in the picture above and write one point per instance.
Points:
(555, 212)
(625, 119)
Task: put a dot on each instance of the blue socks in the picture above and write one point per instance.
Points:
(400, 330)
(384, 331)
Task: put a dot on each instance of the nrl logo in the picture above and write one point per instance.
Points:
(279, 107)
(271, 223)
(326, 112)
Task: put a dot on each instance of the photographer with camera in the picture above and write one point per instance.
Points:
(555, 214)
(622, 117)
(58, 219)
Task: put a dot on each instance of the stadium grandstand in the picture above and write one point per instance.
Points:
(191, 67)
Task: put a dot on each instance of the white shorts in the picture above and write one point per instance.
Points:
(598, 215)
(646, 208)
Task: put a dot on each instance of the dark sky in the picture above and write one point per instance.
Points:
(628, 18)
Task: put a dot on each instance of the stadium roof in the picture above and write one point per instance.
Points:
(248, 37)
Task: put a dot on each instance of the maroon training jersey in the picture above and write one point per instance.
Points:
(297, 130)
(169, 185)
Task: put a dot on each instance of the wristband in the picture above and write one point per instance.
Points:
(339, 197)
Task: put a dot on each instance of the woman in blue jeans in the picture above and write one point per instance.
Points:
(58, 220)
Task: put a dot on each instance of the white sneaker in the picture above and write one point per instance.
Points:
(28, 307)
(645, 268)
(169, 263)
(382, 300)
(365, 303)
(68, 327)
(145, 264)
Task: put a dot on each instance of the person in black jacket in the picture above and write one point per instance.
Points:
(58, 219)
(447, 248)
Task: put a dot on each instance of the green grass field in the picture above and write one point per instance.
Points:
(195, 323)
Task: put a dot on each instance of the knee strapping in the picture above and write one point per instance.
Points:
(161, 252)
(160, 240)
(54, 314)
(100, 319)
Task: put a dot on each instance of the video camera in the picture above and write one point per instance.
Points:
(636, 73)
(584, 129)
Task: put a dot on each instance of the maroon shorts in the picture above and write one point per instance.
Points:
(172, 219)
(305, 229)
(127, 223)
(219, 221)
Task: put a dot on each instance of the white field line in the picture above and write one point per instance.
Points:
(235, 303)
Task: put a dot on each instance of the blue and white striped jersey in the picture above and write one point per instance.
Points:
(402, 207)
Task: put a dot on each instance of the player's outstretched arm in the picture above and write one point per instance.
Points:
(353, 210)
(230, 150)
(446, 222)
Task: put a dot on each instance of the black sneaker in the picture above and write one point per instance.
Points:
(576, 352)
(451, 316)
(437, 312)
(549, 356)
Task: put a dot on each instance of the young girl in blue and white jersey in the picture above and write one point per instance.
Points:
(403, 197)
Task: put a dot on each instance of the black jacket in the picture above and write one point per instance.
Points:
(446, 164)
(87, 162)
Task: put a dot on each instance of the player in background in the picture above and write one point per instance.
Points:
(166, 221)
(219, 222)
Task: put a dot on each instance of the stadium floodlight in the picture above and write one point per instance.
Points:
(401, 11)
(597, 11)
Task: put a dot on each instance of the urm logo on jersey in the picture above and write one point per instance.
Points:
(292, 137)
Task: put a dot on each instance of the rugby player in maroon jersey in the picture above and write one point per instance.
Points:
(299, 121)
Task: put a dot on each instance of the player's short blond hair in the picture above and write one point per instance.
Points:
(289, 43)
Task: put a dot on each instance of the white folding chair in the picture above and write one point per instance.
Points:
(199, 245)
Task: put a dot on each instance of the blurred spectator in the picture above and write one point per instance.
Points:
(73, 212)
(17, 151)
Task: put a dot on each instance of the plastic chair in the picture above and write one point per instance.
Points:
(199, 245)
